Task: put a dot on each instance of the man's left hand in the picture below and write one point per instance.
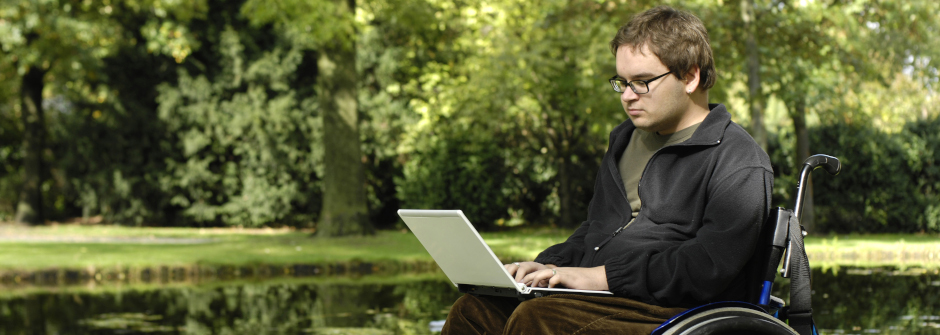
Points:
(574, 278)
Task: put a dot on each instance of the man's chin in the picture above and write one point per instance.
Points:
(639, 123)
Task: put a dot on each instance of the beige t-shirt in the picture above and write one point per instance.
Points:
(641, 148)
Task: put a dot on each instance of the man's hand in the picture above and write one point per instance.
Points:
(574, 278)
(520, 269)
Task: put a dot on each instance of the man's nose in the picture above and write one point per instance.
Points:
(628, 95)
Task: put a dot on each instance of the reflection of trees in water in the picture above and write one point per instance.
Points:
(893, 302)
(846, 300)
(404, 308)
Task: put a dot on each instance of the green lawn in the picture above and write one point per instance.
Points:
(74, 247)
(82, 247)
(920, 250)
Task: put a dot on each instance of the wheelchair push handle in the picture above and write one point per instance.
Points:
(833, 166)
(829, 163)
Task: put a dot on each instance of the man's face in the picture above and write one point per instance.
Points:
(663, 108)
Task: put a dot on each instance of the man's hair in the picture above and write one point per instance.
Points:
(677, 37)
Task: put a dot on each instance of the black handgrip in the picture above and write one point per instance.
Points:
(831, 164)
(770, 271)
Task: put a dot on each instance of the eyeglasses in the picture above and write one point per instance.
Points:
(638, 86)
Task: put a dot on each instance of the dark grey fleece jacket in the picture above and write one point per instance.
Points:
(704, 201)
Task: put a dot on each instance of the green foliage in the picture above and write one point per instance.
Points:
(456, 169)
(69, 42)
(128, 154)
(55, 33)
(537, 86)
(888, 181)
(106, 141)
(308, 24)
(922, 152)
(205, 113)
(11, 158)
(399, 46)
(246, 139)
(547, 98)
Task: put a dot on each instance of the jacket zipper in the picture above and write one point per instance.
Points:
(614, 234)
(642, 176)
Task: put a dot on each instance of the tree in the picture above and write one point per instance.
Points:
(344, 209)
(755, 99)
(243, 123)
(328, 27)
(549, 96)
(108, 143)
(534, 82)
(831, 49)
(48, 40)
(29, 208)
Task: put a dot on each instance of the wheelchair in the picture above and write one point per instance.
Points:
(761, 313)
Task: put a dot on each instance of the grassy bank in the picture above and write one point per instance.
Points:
(73, 246)
(82, 247)
(886, 250)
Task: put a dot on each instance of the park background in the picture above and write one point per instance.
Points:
(331, 115)
(166, 164)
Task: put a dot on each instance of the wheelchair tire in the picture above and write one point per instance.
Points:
(731, 321)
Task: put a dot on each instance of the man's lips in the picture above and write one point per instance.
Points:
(634, 111)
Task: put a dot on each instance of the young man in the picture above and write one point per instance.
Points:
(678, 202)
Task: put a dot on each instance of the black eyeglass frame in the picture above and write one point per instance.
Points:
(646, 83)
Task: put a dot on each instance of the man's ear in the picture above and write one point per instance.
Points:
(692, 78)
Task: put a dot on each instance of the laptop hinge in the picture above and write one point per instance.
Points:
(487, 290)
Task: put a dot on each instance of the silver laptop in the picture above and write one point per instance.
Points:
(466, 259)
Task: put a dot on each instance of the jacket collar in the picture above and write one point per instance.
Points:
(712, 129)
(710, 132)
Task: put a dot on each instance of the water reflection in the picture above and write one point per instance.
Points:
(877, 301)
(845, 302)
(291, 306)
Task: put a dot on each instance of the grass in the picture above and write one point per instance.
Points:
(74, 246)
(883, 250)
(102, 246)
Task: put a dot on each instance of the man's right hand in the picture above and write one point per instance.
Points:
(519, 269)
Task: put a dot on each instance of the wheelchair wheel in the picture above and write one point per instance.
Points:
(731, 321)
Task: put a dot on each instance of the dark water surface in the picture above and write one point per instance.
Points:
(845, 302)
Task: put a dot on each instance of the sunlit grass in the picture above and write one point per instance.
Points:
(58, 247)
(523, 244)
(885, 250)
(82, 247)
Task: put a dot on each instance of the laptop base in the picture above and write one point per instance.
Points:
(533, 293)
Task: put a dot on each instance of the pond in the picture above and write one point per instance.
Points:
(847, 301)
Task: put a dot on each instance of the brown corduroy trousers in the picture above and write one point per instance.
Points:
(555, 314)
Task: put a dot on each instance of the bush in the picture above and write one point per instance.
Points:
(247, 138)
(889, 181)
(456, 170)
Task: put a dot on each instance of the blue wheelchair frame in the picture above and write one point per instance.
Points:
(781, 238)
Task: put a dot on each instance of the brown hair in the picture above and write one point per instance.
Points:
(677, 37)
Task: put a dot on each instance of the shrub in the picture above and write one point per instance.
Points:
(889, 181)
(459, 169)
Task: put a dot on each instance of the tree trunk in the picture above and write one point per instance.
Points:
(755, 96)
(798, 115)
(29, 207)
(344, 198)
(564, 191)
